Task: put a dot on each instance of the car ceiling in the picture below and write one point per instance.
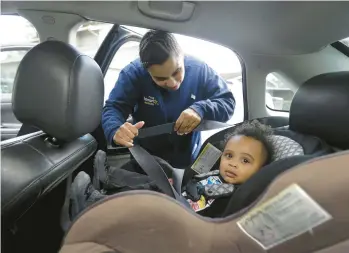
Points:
(269, 28)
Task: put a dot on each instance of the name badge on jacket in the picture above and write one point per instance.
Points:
(149, 100)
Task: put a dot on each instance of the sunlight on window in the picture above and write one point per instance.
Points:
(25, 34)
(220, 58)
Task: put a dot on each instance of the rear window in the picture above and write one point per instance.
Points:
(279, 92)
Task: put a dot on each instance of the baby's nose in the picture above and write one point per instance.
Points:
(233, 164)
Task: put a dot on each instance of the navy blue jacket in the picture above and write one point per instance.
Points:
(136, 93)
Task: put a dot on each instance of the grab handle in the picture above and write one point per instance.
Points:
(185, 14)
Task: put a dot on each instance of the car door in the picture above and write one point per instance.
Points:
(119, 48)
(10, 59)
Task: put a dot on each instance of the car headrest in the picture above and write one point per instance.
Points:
(59, 91)
(295, 214)
(320, 108)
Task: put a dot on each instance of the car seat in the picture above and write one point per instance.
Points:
(314, 110)
(303, 210)
(60, 92)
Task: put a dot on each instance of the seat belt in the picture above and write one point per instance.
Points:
(152, 168)
(168, 128)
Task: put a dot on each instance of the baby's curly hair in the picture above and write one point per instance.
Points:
(257, 131)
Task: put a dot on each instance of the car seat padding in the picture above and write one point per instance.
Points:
(150, 222)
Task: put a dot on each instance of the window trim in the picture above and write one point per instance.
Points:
(341, 47)
(275, 110)
(265, 93)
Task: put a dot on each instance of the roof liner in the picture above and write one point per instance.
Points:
(273, 28)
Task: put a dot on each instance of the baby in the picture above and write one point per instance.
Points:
(247, 149)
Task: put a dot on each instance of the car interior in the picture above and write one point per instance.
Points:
(286, 63)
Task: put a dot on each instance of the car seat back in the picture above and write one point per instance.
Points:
(303, 210)
(60, 92)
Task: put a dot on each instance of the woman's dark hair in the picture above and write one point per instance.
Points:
(157, 46)
(257, 131)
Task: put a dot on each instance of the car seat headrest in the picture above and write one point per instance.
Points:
(59, 91)
(295, 214)
(320, 108)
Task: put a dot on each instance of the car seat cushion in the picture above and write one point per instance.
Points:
(160, 224)
(285, 147)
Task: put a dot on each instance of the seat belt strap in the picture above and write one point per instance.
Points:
(168, 128)
(152, 168)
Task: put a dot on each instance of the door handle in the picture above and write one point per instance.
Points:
(185, 14)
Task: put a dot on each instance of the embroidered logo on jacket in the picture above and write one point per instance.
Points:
(150, 101)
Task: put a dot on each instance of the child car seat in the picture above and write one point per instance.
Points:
(320, 107)
(302, 210)
(295, 214)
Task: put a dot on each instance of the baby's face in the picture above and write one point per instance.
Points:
(242, 157)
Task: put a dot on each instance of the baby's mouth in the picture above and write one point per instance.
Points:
(231, 174)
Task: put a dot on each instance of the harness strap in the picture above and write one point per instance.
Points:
(152, 168)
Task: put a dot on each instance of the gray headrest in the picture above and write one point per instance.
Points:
(58, 90)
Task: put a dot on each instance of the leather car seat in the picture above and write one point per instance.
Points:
(59, 91)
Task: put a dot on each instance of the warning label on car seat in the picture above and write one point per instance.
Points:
(207, 158)
(287, 215)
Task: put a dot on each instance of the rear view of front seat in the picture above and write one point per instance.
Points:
(60, 92)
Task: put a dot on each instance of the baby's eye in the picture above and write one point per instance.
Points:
(228, 155)
(244, 160)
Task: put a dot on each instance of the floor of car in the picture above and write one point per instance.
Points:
(39, 229)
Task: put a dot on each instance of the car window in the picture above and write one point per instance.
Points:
(90, 35)
(126, 53)
(18, 37)
(279, 92)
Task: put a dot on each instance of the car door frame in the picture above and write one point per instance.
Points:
(115, 39)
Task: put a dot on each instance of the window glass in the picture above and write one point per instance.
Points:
(90, 36)
(126, 54)
(279, 93)
(18, 36)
